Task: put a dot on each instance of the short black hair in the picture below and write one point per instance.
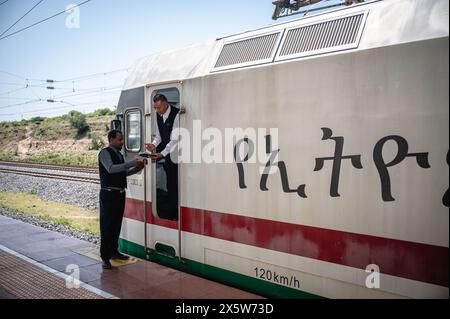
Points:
(159, 97)
(113, 134)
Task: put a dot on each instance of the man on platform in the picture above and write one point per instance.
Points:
(113, 178)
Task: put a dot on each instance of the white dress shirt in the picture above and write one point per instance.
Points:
(173, 136)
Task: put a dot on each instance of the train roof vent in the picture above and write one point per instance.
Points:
(250, 51)
(322, 37)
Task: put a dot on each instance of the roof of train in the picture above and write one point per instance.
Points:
(382, 23)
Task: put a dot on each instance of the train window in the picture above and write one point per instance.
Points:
(172, 95)
(133, 131)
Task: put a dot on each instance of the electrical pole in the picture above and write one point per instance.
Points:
(285, 8)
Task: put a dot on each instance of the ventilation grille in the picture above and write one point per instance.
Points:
(248, 52)
(336, 34)
(341, 33)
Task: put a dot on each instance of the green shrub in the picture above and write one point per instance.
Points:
(78, 121)
(10, 155)
(104, 112)
(37, 119)
(96, 142)
(5, 156)
(11, 130)
(15, 150)
(49, 130)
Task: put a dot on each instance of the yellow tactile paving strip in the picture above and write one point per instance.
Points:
(94, 253)
(27, 281)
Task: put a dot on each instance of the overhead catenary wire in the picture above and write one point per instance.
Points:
(19, 104)
(34, 93)
(13, 91)
(82, 98)
(21, 77)
(91, 76)
(80, 94)
(12, 84)
(89, 93)
(40, 1)
(69, 90)
(73, 89)
(14, 98)
(67, 96)
(41, 21)
(70, 105)
(73, 80)
(30, 85)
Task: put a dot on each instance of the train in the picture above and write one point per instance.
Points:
(335, 182)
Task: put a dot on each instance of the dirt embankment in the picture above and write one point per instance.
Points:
(53, 141)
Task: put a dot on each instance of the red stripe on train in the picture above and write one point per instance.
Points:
(398, 258)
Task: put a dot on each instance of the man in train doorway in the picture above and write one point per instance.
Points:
(162, 146)
(113, 178)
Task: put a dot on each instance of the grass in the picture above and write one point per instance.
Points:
(6, 156)
(12, 130)
(10, 155)
(51, 130)
(69, 215)
(89, 159)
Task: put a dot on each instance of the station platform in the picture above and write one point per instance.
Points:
(36, 263)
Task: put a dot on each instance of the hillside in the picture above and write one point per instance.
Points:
(72, 139)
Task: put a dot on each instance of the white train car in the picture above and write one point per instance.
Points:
(353, 202)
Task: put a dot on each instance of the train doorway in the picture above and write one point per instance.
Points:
(164, 173)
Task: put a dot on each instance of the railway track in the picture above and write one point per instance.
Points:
(55, 167)
(47, 171)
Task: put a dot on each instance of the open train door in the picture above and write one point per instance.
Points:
(163, 217)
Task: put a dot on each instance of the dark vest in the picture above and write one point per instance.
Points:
(165, 129)
(118, 180)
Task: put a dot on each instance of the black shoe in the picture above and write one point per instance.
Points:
(106, 264)
(120, 256)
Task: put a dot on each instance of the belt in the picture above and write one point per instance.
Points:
(113, 189)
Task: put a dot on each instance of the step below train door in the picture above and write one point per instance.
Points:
(163, 226)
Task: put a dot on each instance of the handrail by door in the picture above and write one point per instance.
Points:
(180, 216)
(145, 188)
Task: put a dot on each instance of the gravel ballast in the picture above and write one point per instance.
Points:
(85, 195)
(68, 192)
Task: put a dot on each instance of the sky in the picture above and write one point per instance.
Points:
(89, 61)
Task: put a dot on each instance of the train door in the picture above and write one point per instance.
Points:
(163, 178)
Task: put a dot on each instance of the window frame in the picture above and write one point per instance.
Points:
(152, 91)
(126, 117)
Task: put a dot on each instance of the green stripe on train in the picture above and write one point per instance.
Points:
(231, 278)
